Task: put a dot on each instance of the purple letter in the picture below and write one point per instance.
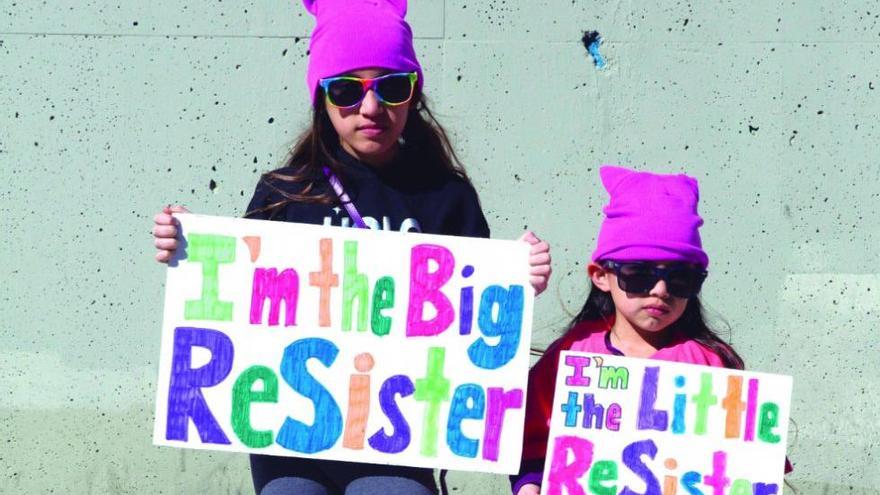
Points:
(650, 418)
(399, 439)
(185, 398)
(632, 458)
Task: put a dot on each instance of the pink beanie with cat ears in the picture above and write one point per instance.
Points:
(359, 34)
(650, 217)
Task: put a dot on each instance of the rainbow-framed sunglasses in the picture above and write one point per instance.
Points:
(348, 91)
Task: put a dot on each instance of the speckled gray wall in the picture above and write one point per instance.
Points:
(110, 109)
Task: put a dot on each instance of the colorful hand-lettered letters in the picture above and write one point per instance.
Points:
(346, 344)
(624, 426)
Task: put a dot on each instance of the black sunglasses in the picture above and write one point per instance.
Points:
(348, 91)
(639, 277)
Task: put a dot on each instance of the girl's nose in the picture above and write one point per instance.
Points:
(371, 104)
(659, 290)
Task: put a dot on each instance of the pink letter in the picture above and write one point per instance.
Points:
(268, 284)
(425, 287)
(565, 474)
(499, 401)
(612, 417)
(577, 378)
(717, 480)
(751, 407)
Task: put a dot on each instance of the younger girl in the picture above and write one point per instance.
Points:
(646, 274)
(373, 157)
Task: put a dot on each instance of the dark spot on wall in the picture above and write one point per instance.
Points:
(820, 112)
(871, 85)
(592, 40)
(271, 120)
(212, 185)
(284, 53)
(589, 38)
(135, 23)
(793, 135)
(753, 129)
(458, 77)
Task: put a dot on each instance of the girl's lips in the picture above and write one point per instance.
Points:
(371, 130)
(656, 310)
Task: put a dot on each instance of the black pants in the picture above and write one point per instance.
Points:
(274, 475)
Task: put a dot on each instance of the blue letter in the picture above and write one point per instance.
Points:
(459, 411)
(507, 327)
(295, 435)
(689, 479)
(571, 409)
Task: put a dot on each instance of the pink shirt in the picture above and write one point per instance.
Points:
(680, 350)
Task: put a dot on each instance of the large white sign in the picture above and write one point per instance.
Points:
(348, 344)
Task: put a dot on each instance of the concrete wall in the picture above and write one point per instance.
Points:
(110, 109)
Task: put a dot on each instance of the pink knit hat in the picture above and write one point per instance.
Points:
(650, 217)
(359, 34)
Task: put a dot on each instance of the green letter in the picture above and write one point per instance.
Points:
(603, 471)
(354, 286)
(433, 389)
(210, 251)
(243, 395)
(613, 377)
(383, 298)
(769, 420)
(741, 487)
(703, 400)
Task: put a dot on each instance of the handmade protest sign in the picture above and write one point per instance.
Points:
(635, 426)
(346, 344)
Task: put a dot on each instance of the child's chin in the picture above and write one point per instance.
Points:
(376, 148)
(654, 325)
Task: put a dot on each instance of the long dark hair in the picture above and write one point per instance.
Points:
(692, 323)
(316, 148)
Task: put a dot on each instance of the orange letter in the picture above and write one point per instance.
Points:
(734, 406)
(325, 279)
(358, 403)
